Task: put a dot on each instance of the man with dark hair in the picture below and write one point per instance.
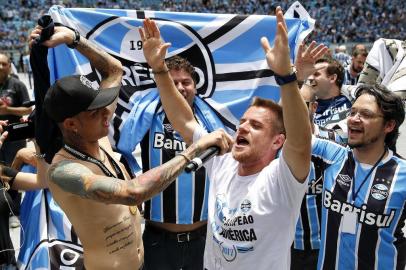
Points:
(254, 197)
(353, 70)
(13, 94)
(364, 190)
(89, 184)
(326, 82)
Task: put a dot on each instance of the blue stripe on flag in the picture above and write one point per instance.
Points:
(196, 20)
(87, 18)
(114, 12)
(118, 32)
(175, 35)
(238, 100)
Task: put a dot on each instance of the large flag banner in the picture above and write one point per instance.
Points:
(225, 50)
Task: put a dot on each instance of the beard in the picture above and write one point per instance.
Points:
(357, 70)
(3, 77)
(239, 156)
(363, 143)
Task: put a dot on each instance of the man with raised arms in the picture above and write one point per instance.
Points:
(254, 197)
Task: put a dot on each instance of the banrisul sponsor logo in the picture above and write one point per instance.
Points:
(379, 192)
(160, 141)
(315, 187)
(365, 216)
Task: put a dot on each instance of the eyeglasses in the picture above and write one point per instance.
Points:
(363, 114)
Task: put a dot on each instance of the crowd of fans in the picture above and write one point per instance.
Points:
(337, 22)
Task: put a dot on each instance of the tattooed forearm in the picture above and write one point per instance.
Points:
(109, 67)
(157, 179)
(77, 179)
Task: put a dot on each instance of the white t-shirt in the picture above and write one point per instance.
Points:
(251, 219)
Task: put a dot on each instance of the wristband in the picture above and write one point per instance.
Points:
(39, 156)
(75, 40)
(282, 80)
(9, 172)
(183, 155)
(163, 71)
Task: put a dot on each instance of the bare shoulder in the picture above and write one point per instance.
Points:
(69, 175)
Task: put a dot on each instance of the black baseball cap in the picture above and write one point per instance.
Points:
(74, 94)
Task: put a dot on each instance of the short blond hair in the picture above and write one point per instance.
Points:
(273, 107)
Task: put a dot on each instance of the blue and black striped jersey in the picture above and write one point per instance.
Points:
(184, 201)
(307, 235)
(379, 204)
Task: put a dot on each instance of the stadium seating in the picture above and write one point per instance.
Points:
(337, 21)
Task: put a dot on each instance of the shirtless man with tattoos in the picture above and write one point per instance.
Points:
(89, 184)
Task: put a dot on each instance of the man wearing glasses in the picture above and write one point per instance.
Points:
(364, 190)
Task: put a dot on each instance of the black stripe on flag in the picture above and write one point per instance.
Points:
(225, 28)
(140, 14)
(243, 75)
(99, 25)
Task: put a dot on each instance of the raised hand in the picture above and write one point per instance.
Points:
(62, 35)
(153, 46)
(306, 58)
(278, 57)
(24, 156)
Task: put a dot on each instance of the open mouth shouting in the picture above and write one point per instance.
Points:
(241, 141)
(354, 131)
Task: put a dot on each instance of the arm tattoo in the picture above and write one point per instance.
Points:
(102, 61)
(77, 179)
(157, 179)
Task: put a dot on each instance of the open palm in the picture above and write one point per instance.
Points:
(278, 57)
(153, 47)
(306, 59)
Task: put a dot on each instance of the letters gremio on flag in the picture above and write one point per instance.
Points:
(224, 48)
